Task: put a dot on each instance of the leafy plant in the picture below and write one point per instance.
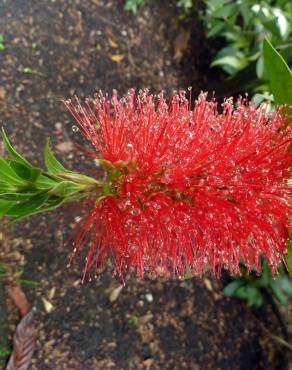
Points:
(251, 287)
(244, 25)
(279, 79)
(133, 5)
(185, 5)
(279, 75)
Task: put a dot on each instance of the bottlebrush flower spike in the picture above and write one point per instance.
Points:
(187, 188)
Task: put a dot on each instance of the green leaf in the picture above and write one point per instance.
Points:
(65, 189)
(35, 173)
(43, 182)
(216, 29)
(254, 296)
(279, 74)
(9, 148)
(53, 165)
(5, 205)
(50, 205)
(16, 197)
(232, 287)
(286, 285)
(21, 170)
(251, 293)
(288, 256)
(5, 351)
(230, 59)
(47, 206)
(133, 5)
(277, 292)
(31, 283)
(225, 11)
(28, 207)
(29, 174)
(7, 188)
(7, 174)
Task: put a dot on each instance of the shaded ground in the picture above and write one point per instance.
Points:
(53, 50)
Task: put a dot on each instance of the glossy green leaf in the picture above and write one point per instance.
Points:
(230, 59)
(9, 148)
(53, 165)
(232, 287)
(279, 74)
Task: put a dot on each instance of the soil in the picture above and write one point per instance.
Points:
(58, 48)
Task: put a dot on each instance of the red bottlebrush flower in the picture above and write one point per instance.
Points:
(187, 188)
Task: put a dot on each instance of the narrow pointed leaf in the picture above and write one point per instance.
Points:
(53, 165)
(279, 74)
(28, 207)
(15, 197)
(12, 151)
(7, 174)
(29, 174)
(49, 205)
(20, 169)
(278, 293)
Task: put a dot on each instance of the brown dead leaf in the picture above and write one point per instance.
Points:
(114, 294)
(112, 43)
(1, 149)
(23, 344)
(148, 363)
(208, 284)
(48, 305)
(51, 293)
(146, 318)
(117, 57)
(65, 146)
(2, 93)
(180, 44)
(19, 299)
(111, 38)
